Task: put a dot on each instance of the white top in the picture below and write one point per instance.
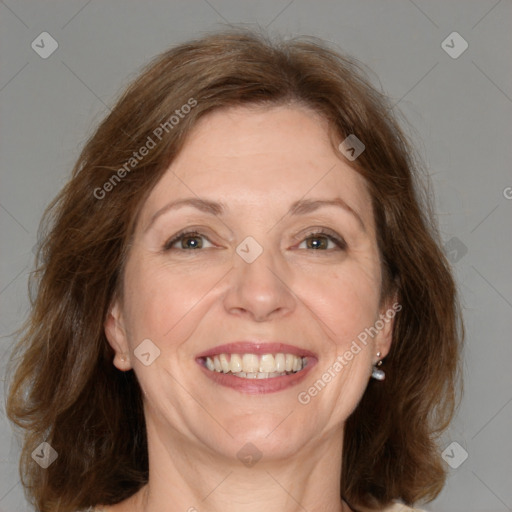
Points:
(397, 507)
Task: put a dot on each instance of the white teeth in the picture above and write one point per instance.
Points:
(259, 375)
(267, 363)
(236, 363)
(250, 363)
(226, 367)
(253, 366)
(280, 363)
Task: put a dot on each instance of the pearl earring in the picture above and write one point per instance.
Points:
(377, 373)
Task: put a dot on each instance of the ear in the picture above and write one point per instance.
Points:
(116, 335)
(387, 316)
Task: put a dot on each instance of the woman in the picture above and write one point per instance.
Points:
(241, 298)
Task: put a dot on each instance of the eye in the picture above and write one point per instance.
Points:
(190, 240)
(319, 240)
(316, 240)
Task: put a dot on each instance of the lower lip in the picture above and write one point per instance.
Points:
(258, 386)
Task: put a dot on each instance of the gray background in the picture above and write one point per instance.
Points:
(460, 109)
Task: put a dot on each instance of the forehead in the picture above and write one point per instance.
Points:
(260, 156)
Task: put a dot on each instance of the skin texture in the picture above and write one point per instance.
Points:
(257, 161)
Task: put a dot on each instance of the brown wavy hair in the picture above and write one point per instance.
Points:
(65, 389)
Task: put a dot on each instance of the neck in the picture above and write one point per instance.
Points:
(184, 476)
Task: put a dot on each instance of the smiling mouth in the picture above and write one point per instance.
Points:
(254, 366)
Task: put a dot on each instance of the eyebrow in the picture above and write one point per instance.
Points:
(300, 207)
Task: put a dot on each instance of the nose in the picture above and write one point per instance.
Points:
(259, 289)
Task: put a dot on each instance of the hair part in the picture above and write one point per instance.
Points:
(65, 389)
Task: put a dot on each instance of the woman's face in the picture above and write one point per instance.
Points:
(254, 272)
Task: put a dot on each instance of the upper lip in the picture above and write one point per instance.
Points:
(258, 347)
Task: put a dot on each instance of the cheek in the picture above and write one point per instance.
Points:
(346, 299)
(347, 304)
(160, 302)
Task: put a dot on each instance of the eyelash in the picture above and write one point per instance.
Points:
(330, 235)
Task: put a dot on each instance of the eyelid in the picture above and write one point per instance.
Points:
(316, 230)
